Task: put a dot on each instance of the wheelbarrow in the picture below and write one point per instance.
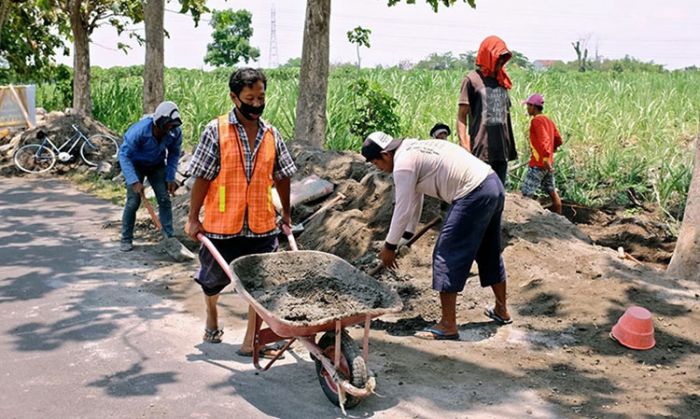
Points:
(341, 366)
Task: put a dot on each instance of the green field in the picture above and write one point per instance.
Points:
(621, 131)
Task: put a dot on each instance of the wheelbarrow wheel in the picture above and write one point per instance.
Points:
(352, 366)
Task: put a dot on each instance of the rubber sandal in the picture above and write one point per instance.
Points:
(431, 333)
(213, 335)
(490, 312)
(268, 352)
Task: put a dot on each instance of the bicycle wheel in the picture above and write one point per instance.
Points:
(99, 148)
(34, 158)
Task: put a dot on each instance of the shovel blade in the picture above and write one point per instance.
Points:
(177, 250)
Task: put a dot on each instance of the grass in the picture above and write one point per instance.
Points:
(622, 131)
(98, 186)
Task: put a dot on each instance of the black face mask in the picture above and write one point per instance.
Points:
(249, 110)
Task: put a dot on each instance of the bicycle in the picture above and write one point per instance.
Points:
(39, 158)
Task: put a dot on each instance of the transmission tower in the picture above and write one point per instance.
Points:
(274, 58)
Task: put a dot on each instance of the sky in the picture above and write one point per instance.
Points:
(664, 32)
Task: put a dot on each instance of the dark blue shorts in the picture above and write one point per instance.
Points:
(211, 277)
(472, 231)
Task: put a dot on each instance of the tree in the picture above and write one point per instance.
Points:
(84, 17)
(405, 65)
(154, 64)
(154, 61)
(581, 54)
(435, 3)
(360, 37)
(373, 110)
(232, 32)
(519, 60)
(82, 23)
(686, 257)
(4, 12)
(445, 61)
(292, 62)
(27, 45)
(310, 125)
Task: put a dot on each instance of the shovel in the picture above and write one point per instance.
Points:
(413, 239)
(172, 246)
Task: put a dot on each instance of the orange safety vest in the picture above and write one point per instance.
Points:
(231, 197)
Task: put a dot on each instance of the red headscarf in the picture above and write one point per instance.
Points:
(490, 50)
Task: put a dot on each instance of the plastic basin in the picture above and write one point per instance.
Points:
(635, 329)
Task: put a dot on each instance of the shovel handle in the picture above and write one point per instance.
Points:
(413, 239)
(151, 212)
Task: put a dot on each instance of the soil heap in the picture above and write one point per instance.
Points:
(58, 127)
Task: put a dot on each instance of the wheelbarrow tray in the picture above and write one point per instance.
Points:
(256, 274)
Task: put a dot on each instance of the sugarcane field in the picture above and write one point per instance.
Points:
(377, 208)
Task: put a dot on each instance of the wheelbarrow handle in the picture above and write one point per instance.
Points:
(220, 259)
(287, 230)
(214, 252)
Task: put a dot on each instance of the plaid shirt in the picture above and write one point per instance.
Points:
(206, 161)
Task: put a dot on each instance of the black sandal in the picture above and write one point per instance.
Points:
(213, 336)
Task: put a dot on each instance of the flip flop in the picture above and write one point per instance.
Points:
(431, 333)
(268, 352)
(491, 313)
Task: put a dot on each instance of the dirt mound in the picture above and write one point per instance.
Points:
(308, 287)
(542, 250)
(58, 126)
(639, 233)
(362, 218)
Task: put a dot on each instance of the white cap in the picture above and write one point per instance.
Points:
(167, 113)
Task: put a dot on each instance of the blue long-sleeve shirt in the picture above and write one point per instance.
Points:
(141, 148)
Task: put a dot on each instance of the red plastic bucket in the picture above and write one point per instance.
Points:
(635, 329)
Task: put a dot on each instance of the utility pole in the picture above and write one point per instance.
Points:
(274, 58)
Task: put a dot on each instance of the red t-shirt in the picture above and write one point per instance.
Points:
(544, 140)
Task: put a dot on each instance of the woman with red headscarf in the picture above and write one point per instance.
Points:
(484, 97)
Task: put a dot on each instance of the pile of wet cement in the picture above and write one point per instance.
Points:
(305, 287)
(316, 298)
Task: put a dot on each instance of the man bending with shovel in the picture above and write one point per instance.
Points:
(238, 159)
(151, 149)
(472, 227)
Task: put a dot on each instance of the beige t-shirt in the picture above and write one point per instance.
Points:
(435, 168)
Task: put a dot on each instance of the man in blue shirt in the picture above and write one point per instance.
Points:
(151, 149)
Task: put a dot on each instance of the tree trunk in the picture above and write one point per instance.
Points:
(4, 12)
(153, 88)
(82, 103)
(310, 127)
(686, 256)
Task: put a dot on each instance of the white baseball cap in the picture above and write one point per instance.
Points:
(167, 114)
(377, 143)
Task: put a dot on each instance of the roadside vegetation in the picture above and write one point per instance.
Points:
(627, 134)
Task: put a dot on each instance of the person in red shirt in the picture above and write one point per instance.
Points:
(544, 141)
